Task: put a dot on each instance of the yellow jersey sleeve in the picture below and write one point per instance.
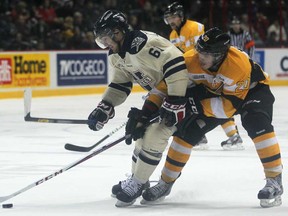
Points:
(188, 36)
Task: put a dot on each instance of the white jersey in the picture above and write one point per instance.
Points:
(145, 58)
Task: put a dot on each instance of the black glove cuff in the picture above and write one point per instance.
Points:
(176, 99)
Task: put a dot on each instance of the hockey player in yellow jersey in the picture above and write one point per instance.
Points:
(227, 82)
(145, 58)
(184, 35)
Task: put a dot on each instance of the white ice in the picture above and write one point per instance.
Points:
(214, 182)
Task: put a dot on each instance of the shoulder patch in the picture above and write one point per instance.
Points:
(138, 41)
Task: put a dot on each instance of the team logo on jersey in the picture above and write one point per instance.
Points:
(137, 42)
(142, 79)
(217, 84)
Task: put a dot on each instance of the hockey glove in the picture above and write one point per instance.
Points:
(136, 125)
(173, 110)
(100, 115)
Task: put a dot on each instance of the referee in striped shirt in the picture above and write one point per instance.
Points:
(241, 38)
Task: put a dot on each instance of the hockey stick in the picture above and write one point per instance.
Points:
(40, 181)
(28, 117)
(73, 147)
(92, 154)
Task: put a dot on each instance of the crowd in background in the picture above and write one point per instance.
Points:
(68, 24)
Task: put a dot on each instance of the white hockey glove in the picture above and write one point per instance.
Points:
(173, 110)
(100, 115)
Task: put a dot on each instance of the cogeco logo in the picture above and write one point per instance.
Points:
(284, 64)
(84, 67)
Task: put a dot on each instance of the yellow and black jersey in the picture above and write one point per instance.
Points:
(229, 85)
(189, 34)
(236, 75)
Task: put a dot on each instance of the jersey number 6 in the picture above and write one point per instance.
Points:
(154, 52)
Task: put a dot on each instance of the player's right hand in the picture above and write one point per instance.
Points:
(100, 115)
(136, 125)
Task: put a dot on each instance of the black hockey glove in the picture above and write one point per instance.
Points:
(136, 125)
(173, 110)
(100, 115)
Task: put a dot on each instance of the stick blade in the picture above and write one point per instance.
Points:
(72, 147)
(27, 101)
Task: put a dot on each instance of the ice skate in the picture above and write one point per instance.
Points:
(270, 195)
(118, 187)
(233, 143)
(130, 191)
(156, 193)
(202, 144)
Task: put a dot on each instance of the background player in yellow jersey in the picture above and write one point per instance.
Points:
(184, 35)
(185, 32)
(233, 84)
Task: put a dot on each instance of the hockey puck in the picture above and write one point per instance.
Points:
(10, 205)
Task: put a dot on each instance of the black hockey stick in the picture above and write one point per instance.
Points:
(58, 172)
(73, 147)
(28, 117)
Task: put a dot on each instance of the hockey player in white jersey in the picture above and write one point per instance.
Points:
(146, 58)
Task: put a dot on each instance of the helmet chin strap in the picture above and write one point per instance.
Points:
(121, 41)
(216, 63)
(178, 28)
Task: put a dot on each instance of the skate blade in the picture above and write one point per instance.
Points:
(146, 202)
(200, 147)
(121, 204)
(237, 147)
(268, 203)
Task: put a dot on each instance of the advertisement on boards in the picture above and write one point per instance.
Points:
(259, 57)
(274, 61)
(81, 69)
(24, 70)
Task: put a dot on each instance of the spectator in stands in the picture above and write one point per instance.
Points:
(19, 43)
(271, 40)
(35, 20)
(79, 22)
(275, 27)
(7, 29)
(46, 12)
(88, 41)
(260, 25)
(68, 28)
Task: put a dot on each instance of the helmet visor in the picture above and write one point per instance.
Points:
(103, 37)
(207, 50)
(170, 16)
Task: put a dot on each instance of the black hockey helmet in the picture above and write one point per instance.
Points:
(110, 20)
(174, 9)
(213, 41)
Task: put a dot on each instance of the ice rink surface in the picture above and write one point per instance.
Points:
(214, 182)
